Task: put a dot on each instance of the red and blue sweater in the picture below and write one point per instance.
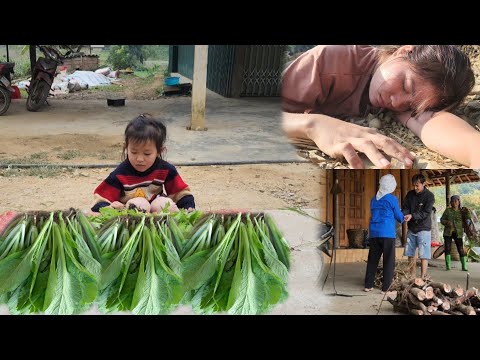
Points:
(125, 183)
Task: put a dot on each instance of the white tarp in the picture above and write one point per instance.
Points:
(89, 78)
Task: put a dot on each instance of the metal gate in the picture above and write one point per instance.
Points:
(263, 70)
(186, 54)
(220, 68)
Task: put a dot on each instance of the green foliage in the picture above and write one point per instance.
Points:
(145, 263)
(124, 56)
(469, 195)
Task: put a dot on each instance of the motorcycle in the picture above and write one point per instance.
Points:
(43, 75)
(6, 90)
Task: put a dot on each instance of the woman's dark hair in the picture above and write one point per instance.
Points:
(145, 128)
(445, 67)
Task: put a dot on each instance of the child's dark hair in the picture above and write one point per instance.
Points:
(446, 67)
(145, 128)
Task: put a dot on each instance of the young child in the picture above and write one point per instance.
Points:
(421, 84)
(144, 179)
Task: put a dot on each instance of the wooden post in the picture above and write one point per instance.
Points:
(336, 210)
(199, 89)
(404, 181)
(447, 187)
(323, 195)
(33, 57)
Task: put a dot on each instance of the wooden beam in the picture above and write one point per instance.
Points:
(447, 186)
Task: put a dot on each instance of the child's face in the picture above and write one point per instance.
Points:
(396, 86)
(142, 155)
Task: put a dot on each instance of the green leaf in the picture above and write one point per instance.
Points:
(199, 268)
(250, 293)
(68, 292)
(14, 269)
(279, 242)
(158, 290)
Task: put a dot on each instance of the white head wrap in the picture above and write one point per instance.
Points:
(388, 184)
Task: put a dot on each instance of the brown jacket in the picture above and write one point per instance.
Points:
(330, 79)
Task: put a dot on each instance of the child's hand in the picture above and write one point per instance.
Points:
(408, 217)
(190, 209)
(117, 205)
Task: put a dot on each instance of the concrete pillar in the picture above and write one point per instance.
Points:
(199, 88)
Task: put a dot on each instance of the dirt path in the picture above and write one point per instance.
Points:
(252, 187)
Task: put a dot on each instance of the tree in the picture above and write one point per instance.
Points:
(124, 56)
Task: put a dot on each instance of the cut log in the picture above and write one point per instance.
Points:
(418, 293)
(455, 312)
(446, 305)
(475, 300)
(418, 282)
(429, 292)
(467, 310)
(398, 307)
(436, 300)
(469, 294)
(417, 304)
(431, 308)
(416, 312)
(445, 288)
(458, 291)
(439, 313)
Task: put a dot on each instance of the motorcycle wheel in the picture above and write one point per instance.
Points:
(37, 94)
(5, 100)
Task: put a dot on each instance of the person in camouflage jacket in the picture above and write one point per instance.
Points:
(453, 221)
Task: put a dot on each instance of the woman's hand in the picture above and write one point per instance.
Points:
(340, 139)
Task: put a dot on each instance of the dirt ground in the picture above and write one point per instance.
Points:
(247, 187)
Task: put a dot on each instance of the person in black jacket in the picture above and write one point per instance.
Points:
(417, 208)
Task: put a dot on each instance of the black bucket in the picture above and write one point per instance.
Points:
(116, 102)
(357, 238)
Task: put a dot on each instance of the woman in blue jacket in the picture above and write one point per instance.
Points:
(384, 211)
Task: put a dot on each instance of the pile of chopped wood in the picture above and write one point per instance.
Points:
(419, 297)
(401, 273)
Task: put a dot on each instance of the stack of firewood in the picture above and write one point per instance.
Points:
(419, 297)
(401, 272)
